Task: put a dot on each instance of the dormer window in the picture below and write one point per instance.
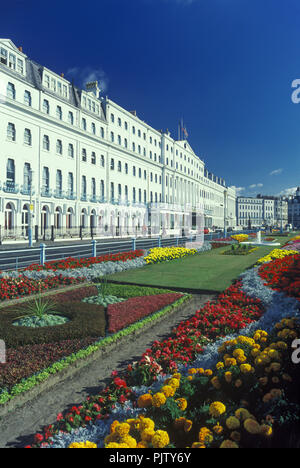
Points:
(11, 60)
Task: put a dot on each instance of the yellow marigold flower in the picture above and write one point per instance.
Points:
(177, 376)
(128, 440)
(198, 445)
(205, 435)
(122, 429)
(188, 424)
(146, 423)
(238, 352)
(230, 362)
(147, 434)
(281, 345)
(208, 372)
(145, 401)
(232, 423)
(229, 444)
(252, 426)
(192, 371)
(182, 403)
(112, 445)
(111, 438)
(86, 445)
(216, 409)
(142, 445)
(174, 383)
(266, 430)
(190, 377)
(241, 359)
(158, 399)
(242, 414)
(228, 377)
(218, 429)
(113, 426)
(160, 439)
(245, 368)
(220, 365)
(168, 390)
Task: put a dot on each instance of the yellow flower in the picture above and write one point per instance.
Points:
(146, 423)
(216, 383)
(160, 439)
(252, 426)
(85, 445)
(168, 390)
(216, 409)
(145, 401)
(266, 430)
(158, 399)
(220, 365)
(205, 435)
(245, 368)
(228, 377)
(232, 423)
(182, 403)
(229, 444)
(218, 429)
(242, 414)
(147, 434)
(122, 429)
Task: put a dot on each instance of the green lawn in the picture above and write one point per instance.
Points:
(209, 271)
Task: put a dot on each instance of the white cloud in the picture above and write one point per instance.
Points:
(238, 189)
(253, 186)
(84, 75)
(288, 191)
(276, 172)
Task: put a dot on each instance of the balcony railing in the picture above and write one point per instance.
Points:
(58, 193)
(25, 190)
(10, 187)
(70, 195)
(46, 192)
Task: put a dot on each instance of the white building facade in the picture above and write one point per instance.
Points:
(294, 209)
(75, 161)
(261, 211)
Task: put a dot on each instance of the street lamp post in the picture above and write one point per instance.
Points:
(30, 210)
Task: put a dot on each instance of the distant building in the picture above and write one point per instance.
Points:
(262, 210)
(294, 209)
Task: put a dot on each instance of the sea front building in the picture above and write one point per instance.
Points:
(74, 163)
(263, 210)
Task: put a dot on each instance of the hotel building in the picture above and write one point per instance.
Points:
(77, 163)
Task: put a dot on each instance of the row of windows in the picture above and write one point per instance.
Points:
(10, 60)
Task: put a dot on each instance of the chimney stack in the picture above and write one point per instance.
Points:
(20, 49)
(62, 75)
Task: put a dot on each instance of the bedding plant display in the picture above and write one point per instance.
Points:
(240, 249)
(44, 335)
(223, 379)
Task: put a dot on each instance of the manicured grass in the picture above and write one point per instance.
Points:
(208, 271)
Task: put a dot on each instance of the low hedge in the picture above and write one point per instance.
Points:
(86, 320)
(128, 291)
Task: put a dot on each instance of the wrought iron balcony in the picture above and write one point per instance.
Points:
(70, 195)
(46, 192)
(10, 187)
(58, 193)
(25, 190)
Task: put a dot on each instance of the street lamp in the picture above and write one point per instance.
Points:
(30, 210)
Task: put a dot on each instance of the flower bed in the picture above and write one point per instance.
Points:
(276, 254)
(162, 254)
(15, 288)
(122, 314)
(72, 263)
(240, 250)
(283, 275)
(240, 237)
(217, 245)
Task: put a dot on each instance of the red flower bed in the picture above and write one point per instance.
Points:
(283, 275)
(232, 311)
(71, 263)
(14, 288)
(122, 314)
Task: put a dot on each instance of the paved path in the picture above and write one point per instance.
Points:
(17, 428)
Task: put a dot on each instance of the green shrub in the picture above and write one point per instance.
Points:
(126, 291)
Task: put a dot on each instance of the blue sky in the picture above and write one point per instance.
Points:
(225, 66)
